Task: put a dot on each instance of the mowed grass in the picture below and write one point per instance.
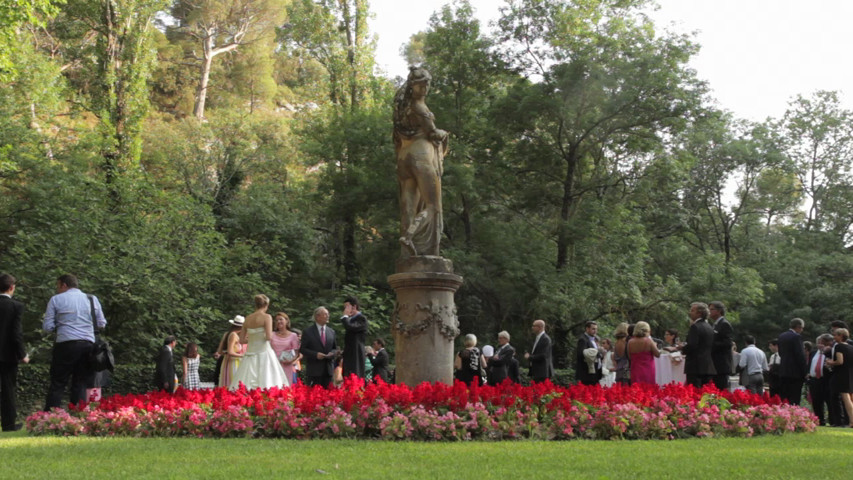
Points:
(825, 454)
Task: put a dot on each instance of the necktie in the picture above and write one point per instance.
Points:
(818, 368)
(323, 335)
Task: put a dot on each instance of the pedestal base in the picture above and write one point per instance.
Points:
(424, 321)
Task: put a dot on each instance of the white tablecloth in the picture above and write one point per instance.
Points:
(667, 371)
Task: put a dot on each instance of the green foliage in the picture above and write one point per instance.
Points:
(588, 177)
(13, 16)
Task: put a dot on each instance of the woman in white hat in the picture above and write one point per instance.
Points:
(233, 351)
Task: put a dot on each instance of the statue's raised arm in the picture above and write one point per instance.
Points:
(420, 147)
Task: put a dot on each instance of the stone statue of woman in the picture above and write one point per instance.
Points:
(420, 148)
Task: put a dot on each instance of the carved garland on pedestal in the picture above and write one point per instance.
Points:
(442, 315)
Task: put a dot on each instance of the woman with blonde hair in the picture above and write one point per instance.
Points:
(642, 351)
(260, 368)
(620, 354)
(842, 369)
(469, 362)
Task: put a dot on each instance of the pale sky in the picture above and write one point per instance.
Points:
(756, 54)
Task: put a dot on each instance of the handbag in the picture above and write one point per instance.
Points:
(287, 356)
(101, 356)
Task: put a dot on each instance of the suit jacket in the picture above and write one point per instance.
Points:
(499, 364)
(697, 352)
(721, 352)
(792, 356)
(380, 360)
(11, 336)
(164, 374)
(311, 345)
(581, 367)
(354, 357)
(541, 362)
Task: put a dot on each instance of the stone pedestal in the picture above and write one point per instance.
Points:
(424, 322)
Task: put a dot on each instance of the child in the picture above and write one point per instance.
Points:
(190, 361)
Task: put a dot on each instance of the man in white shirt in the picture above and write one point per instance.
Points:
(753, 360)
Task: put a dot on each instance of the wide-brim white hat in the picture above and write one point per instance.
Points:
(238, 320)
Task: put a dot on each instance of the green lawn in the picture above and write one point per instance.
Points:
(825, 454)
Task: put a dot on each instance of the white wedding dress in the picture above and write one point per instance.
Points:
(259, 367)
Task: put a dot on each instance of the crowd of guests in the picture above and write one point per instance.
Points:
(494, 365)
(263, 351)
(708, 353)
(257, 351)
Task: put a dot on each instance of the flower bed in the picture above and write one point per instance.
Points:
(433, 412)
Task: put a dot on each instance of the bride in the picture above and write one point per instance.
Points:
(260, 368)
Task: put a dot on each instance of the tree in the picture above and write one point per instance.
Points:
(223, 26)
(819, 140)
(335, 34)
(610, 90)
(728, 164)
(13, 15)
(117, 35)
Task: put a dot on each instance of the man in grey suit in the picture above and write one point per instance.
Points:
(499, 362)
(698, 364)
(319, 349)
(541, 363)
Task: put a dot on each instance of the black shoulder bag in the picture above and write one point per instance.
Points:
(101, 357)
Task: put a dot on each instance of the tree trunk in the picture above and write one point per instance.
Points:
(201, 93)
(466, 221)
(350, 263)
(563, 240)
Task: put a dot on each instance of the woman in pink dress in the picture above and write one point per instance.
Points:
(285, 344)
(642, 352)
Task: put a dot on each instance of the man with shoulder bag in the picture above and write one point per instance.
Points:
(72, 315)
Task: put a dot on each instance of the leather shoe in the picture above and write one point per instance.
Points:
(17, 427)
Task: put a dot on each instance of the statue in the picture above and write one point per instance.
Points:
(420, 149)
(424, 321)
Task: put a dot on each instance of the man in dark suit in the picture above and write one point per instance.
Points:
(319, 350)
(355, 324)
(541, 363)
(819, 375)
(164, 373)
(793, 367)
(11, 351)
(698, 364)
(721, 351)
(379, 359)
(582, 367)
(499, 363)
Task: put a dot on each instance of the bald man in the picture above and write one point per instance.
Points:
(541, 365)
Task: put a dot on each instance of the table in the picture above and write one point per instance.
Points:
(667, 371)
